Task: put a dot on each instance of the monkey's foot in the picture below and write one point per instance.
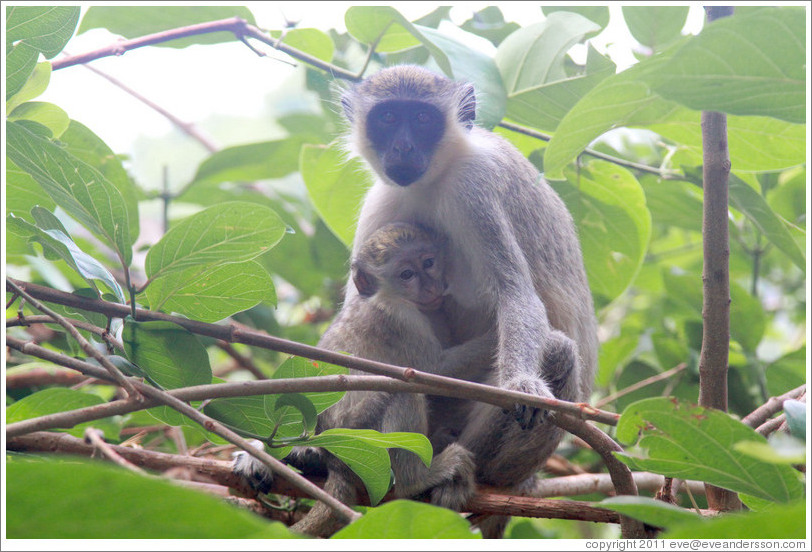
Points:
(529, 416)
(252, 470)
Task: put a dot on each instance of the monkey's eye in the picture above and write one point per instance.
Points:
(423, 118)
(388, 117)
(428, 263)
(407, 274)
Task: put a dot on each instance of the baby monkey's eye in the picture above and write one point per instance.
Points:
(423, 118)
(388, 117)
(407, 274)
(428, 263)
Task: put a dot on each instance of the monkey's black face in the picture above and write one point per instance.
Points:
(404, 134)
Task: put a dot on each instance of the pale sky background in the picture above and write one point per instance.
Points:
(197, 82)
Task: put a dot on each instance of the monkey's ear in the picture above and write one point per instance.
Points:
(365, 283)
(467, 112)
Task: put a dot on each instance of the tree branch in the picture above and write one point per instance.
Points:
(440, 385)
(771, 407)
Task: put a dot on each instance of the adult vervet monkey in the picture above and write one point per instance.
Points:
(515, 261)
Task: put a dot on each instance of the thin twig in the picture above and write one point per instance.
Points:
(81, 324)
(662, 173)
(640, 384)
(474, 391)
(84, 343)
(771, 425)
(96, 438)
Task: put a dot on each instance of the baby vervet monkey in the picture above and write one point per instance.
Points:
(396, 318)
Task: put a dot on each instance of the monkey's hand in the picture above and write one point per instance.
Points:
(529, 416)
(252, 470)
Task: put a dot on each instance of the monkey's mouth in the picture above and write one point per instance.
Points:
(403, 175)
(432, 305)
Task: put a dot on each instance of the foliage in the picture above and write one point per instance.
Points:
(259, 234)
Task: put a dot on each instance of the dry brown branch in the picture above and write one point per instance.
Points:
(95, 438)
(771, 407)
(83, 343)
(439, 385)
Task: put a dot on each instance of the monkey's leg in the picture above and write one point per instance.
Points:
(451, 475)
(320, 521)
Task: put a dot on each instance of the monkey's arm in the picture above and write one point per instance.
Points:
(471, 360)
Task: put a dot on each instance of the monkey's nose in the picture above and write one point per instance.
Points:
(402, 146)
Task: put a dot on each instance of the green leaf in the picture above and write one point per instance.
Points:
(598, 14)
(259, 161)
(655, 26)
(46, 114)
(535, 55)
(35, 85)
(248, 414)
(228, 233)
(364, 452)
(748, 64)
(310, 41)
(136, 21)
(367, 23)
(57, 244)
(781, 522)
(691, 442)
(81, 190)
(297, 367)
(477, 68)
(489, 23)
(58, 399)
(171, 355)
(84, 499)
(757, 210)
(211, 294)
(336, 187)
(301, 404)
(787, 372)
(652, 512)
(403, 519)
(614, 225)
(21, 61)
(81, 142)
(748, 320)
(46, 29)
(780, 449)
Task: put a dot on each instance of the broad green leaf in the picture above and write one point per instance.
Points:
(780, 449)
(228, 233)
(748, 64)
(652, 512)
(404, 519)
(673, 203)
(300, 403)
(535, 55)
(83, 499)
(57, 244)
(171, 355)
(86, 146)
(310, 41)
(209, 294)
(46, 114)
(335, 186)
(135, 21)
(691, 442)
(35, 85)
(414, 442)
(616, 100)
(21, 61)
(754, 207)
(297, 367)
(490, 24)
(78, 188)
(369, 23)
(477, 68)
(250, 162)
(544, 106)
(655, 26)
(614, 225)
(58, 399)
(756, 144)
(247, 414)
(781, 522)
(46, 29)
(598, 14)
